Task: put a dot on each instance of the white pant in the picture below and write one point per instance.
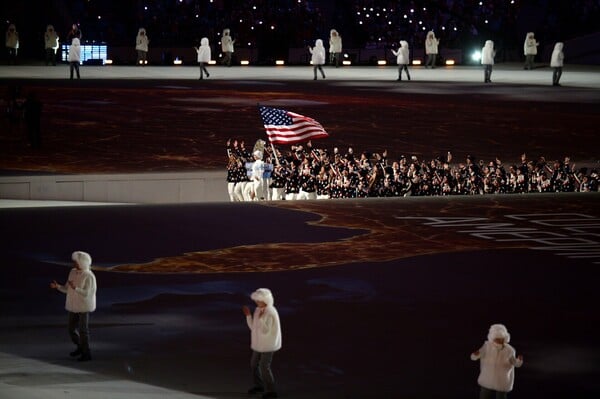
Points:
(278, 194)
(305, 195)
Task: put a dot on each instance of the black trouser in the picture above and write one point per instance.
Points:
(487, 73)
(74, 65)
(320, 68)
(403, 68)
(203, 70)
(50, 56)
(79, 331)
(556, 74)
(430, 60)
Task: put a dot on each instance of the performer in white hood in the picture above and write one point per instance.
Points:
(431, 49)
(74, 57)
(530, 50)
(141, 46)
(12, 43)
(497, 362)
(50, 45)
(265, 333)
(318, 57)
(403, 59)
(227, 47)
(487, 60)
(81, 301)
(203, 56)
(335, 47)
(556, 63)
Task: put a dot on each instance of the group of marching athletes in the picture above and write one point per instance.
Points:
(304, 172)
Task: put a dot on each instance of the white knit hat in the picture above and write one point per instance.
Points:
(83, 259)
(498, 331)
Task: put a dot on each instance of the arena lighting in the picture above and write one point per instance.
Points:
(450, 62)
(416, 62)
(212, 62)
(244, 62)
(108, 62)
(381, 62)
(279, 62)
(177, 61)
(476, 56)
(142, 62)
(346, 62)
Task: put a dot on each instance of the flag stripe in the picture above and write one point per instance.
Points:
(284, 127)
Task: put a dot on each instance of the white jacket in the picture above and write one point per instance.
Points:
(557, 59)
(318, 53)
(335, 42)
(431, 43)
(203, 51)
(82, 298)
(497, 366)
(51, 38)
(141, 41)
(530, 46)
(75, 51)
(12, 37)
(488, 53)
(403, 53)
(226, 42)
(265, 331)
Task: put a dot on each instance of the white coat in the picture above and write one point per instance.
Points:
(403, 53)
(335, 42)
(497, 366)
(318, 53)
(530, 46)
(226, 42)
(12, 37)
(203, 51)
(141, 41)
(75, 51)
(431, 43)
(51, 38)
(488, 53)
(265, 331)
(82, 298)
(557, 59)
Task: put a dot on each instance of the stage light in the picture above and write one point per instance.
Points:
(381, 62)
(244, 62)
(416, 62)
(212, 62)
(108, 62)
(476, 56)
(177, 61)
(346, 62)
(279, 62)
(450, 62)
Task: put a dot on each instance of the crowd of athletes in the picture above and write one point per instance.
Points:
(306, 172)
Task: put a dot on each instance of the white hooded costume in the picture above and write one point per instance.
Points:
(141, 41)
(75, 51)
(204, 51)
(497, 362)
(265, 330)
(488, 53)
(530, 46)
(557, 58)
(82, 298)
(402, 55)
(226, 42)
(318, 53)
(431, 43)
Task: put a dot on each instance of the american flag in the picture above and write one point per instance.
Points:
(285, 127)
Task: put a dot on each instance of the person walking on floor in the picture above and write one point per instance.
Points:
(487, 60)
(318, 57)
(403, 59)
(556, 63)
(265, 340)
(80, 289)
(497, 364)
(203, 57)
